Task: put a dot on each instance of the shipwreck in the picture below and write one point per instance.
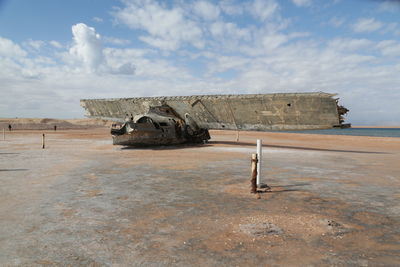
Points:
(187, 119)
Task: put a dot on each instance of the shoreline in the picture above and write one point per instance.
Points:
(376, 127)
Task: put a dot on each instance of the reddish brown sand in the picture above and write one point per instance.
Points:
(81, 201)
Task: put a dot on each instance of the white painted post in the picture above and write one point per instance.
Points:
(4, 134)
(259, 156)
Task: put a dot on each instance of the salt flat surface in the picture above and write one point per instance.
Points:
(83, 202)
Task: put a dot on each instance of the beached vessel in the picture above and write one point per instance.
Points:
(252, 112)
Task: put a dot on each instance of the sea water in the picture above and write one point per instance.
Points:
(381, 132)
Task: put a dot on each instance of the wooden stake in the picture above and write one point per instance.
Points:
(4, 134)
(253, 173)
(43, 141)
(237, 136)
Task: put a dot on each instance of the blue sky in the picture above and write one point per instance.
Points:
(53, 53)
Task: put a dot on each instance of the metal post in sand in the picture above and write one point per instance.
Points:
(253, 179)
(4, 134)
(259, 157)
(43, 141)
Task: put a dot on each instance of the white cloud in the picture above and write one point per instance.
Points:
(97, 19)
(125, 69)
(367, 25)
(263, 9)
(167, 28)
(88, 50)
(206, 10)
(224, 63)
(348, 44)
(35, 44)
(337, 21)
(122, 60)
(302, 3)
(389, 6)
(9, 49)
(235, 56)
(338, 66)
(272, 41)
(87, 46)
(116, 41)
(390, 48)
(228, 30)
(230, 8)
(55, 44)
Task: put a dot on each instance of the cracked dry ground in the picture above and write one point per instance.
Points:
(83, 202)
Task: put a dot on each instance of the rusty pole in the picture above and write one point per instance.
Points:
(43, 141)
(253, 180)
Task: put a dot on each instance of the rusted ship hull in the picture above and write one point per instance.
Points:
(143, 139)
(258, 112)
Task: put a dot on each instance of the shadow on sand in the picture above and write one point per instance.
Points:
(279, 188)
(13, 170)
(165, 147)
(294, 147)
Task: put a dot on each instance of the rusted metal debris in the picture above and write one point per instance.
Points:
(160, 126)
(253, 180)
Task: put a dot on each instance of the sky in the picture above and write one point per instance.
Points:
(54, 53)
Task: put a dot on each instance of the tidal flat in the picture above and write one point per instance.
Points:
(81, 201)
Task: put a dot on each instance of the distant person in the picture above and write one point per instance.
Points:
(55, 127)
(9, 127)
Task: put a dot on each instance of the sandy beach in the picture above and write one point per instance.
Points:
(81, 201)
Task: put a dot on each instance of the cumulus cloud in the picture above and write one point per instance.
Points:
(116, 41)
(263, 9)
(302, 3)
(389, 48)
(35, 44)
(55, 44)
(367, 25)
(272, 41)
(348, 44)
(229, 30)
(224, 63)
(88, 52)
(9, 49)
(231, 8)
(87, 46)
(125, 69)
(206, 10)
(167, 28)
